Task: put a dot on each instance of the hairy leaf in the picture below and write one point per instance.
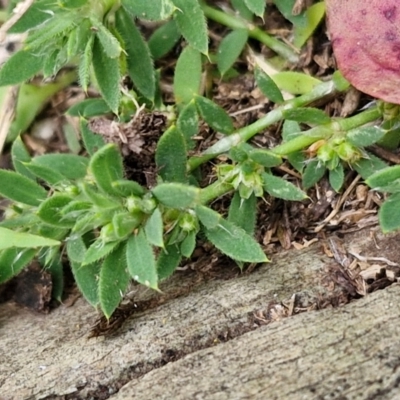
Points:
(168, 260)
(243, 212)
(267, 86)
(257, 6)
(20, 67)
(106, 167)
(71, 166)
(140, 63)
(235, 242)
(87, 279)
(188, 123)
(141, 261)
(50, 211)
(187, 76)
(9, 238)
(171, 156)
(13, 260)
(154, 10)
(163, 39)
(113, 281)
(176, 195)
(230, 48)
(107, 74)
(192, 23)
(282, 189)
(154, 229)
(20, 188)
(214, 115)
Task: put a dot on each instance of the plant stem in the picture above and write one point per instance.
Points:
(247, 132)
(236, 22)
(213, 191)
(323, 131)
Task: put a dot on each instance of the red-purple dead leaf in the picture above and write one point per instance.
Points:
(365, 36)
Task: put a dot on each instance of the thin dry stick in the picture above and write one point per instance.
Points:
(7, 112)
(338, 205)
(18, 12)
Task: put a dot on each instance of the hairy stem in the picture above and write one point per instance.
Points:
(323, 131)
(274, 116)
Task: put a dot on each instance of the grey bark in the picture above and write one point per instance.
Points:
(348, 352)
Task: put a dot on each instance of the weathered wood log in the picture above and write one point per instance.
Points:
(346, 352)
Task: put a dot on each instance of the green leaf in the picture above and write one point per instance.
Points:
(154, 229)
(214, 115)
(336, 177)
(124, 223)
(192, 24)
(98, 250)
(87, 279)
(256, 6)
(141, 262)
(89, 108)
(9, 238)
(85, 62)
(140, 63)
(19, 156)
(188, 123)
(295, 82)
(235, 242)
(163, 39)
(384, 178)
(176, 195)
(36, 15)
(71, 166)
(365, 136)
(20, 67)
(106, 167)
(109, 42)
(282, 189)
(313, 172)
(45, 173)
(55, 267)
(230, 48)
(127, 188)
(171, 156)
(367, 166)
(286, 9)
(20, 188)
(168, 260)
(389, 214)
(114, 280)
(208, 217)
(107, 74)
(97, 198)
(19, 221)
(265, 158)
(188, 244)
(313, 15)
(243, 212)
(307, 115)
(187, 78)
(13, 260)
(50, 211)
(76, 249)
(92, 141)
(59, 26)
(154, 10)
(268, 87)
(241, 7)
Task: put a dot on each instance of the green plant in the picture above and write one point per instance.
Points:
(113, 229)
